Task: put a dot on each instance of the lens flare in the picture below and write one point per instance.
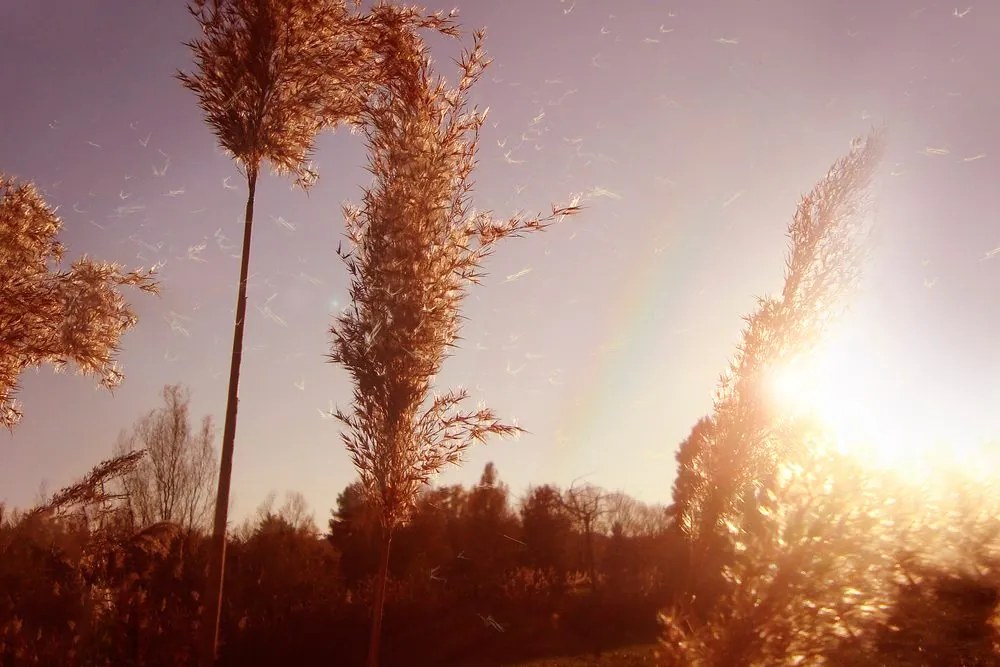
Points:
(876, 412)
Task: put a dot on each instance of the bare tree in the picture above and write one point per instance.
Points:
(415, 248)
(52, 315)
(586, 504)
(621, 510)
(294, 513)
(174, 482)
(633, 517)
(653, 520)
(270, 75)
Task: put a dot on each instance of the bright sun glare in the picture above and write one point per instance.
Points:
(874, 412)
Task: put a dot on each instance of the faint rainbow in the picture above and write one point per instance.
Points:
(613, 380)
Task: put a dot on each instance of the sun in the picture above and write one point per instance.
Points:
(875, 412)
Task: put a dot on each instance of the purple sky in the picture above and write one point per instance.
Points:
(691, 128)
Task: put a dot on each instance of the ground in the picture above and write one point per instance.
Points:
(643, 654)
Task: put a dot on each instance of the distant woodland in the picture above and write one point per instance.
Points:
(476, 577)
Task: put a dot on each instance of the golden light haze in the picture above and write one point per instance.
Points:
(877, 414)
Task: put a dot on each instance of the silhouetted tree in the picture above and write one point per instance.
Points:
(632, 528)
(943, 615)
(652, 520)
(490, 534)
(354, 530)
(270, 75)
(425, 548)
(621, 560)
(415, 247)
(50, 315)
(585, 504)
(546, 528)
(174, 482)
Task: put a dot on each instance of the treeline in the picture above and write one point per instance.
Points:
(476, 577)
(842, 567)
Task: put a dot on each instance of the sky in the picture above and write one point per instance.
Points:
(690, 129)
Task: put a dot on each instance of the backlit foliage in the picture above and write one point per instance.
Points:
(271, 74)
(737, 445)
(53, 315)
(799, 555)
(815, 570)
(416, 245)
(727, 464)
(852, 566)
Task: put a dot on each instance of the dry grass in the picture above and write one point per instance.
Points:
(269, 75)
(50, 315)
(632, 656)
(416, 245)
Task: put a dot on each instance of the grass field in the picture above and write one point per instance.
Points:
(643, 654)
